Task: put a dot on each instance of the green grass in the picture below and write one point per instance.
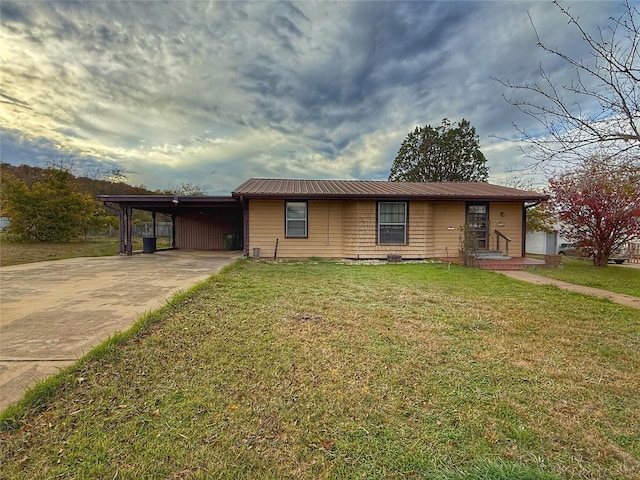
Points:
(614, 278)
(322, 370)
(19, 253)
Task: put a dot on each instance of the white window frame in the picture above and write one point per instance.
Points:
(382, 224)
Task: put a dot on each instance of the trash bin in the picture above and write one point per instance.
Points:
(148, 244)
(256, 253)
(237, 241)
(228, 242)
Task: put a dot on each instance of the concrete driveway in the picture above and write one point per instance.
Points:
(52, 313)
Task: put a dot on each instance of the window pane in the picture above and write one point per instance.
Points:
(296, 228)
(392, 212)
(392, 234)
(392, 223)
(482, 209)
(296, 210)
(296, 219)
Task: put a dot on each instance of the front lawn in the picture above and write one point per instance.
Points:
(326, 370)
(614, 278)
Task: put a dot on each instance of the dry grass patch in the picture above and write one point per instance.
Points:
(28, 252)
(19, 253)
(321, 370)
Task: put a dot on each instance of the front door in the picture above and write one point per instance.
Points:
(478, 224)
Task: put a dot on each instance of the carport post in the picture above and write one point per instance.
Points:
(129, 215)
(121, 230)
(173, 230)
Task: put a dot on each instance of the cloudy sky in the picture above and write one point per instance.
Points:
(211, 93)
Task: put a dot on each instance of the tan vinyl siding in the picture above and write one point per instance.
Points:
(512, 228)
(361, 234)
(348, 228)
(360, 227)
(336, 229)
(324, 235)
(448, 220)
(351, 218)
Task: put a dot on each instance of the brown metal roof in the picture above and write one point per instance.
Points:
(288, 188)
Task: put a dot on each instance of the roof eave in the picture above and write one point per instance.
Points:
(431, 198)
(168, 203)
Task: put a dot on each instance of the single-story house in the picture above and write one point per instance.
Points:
(344, 218)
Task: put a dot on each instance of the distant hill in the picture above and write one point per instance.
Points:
(30, 175)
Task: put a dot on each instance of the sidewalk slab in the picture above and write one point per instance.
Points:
(620, 298)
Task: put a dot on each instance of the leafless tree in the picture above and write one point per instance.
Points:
(63, 163)
(598, 111)
(113, 175)
(187, 190)
(517, 180)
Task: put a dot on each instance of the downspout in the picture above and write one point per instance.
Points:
(245, 225)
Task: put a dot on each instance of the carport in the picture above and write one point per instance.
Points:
(198, 223)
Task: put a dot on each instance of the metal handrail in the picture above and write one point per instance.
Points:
(507, 240)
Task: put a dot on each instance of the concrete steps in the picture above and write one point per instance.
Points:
(489, 255)
(494, 260)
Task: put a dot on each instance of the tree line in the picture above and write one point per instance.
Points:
(53, 205)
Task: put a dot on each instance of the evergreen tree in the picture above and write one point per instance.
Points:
(444, 153)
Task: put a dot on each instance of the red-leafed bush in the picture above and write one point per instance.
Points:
(598, 206)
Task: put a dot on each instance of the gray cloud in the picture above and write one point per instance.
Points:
(178, 90)
(40, 152)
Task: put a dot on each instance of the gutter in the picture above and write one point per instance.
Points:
(429, 198)
(111, 205)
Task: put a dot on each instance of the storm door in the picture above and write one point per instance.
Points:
(478, 224)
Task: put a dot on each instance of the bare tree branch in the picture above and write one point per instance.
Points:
(574, 127)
